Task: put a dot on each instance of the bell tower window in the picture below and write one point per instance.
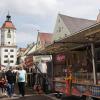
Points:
(8, 30)
(8, 35)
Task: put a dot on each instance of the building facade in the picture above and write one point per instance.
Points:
(43, 40)
(67, 25)
(8, 46)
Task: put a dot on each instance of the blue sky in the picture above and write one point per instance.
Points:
(31, 15)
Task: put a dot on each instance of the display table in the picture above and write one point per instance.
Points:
(78, 89)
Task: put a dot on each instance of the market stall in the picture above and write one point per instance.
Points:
(80, 51)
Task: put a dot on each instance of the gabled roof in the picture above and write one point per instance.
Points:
(8, 24)
(46, 37)
(75, 24)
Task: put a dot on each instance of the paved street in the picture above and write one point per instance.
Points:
(38, 97)
(29, 97)
(32, 95)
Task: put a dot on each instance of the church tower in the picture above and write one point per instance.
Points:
(8, 48)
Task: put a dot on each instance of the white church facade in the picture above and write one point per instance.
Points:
(8, 48)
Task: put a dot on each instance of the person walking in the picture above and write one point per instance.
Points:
(1, 82)
(14, 71)
(10, 82)
(22, 79)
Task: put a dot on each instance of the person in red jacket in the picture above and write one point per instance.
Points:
(3, 85)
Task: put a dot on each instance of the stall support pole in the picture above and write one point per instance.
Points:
(52, 76)
(93, 62)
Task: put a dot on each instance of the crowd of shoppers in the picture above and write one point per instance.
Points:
(10, 77)
(18, 76)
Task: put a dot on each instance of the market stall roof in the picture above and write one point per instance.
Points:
(78, 39)
(86, 35)
(75, 40)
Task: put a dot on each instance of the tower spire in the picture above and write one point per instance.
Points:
(8, 17)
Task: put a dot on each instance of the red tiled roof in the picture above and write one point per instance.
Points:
(45, 37)
(8, 24)
(23, 49)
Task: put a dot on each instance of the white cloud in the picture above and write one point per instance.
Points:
(25, 38)
(79, 8)
(44, 7)
(31, 7)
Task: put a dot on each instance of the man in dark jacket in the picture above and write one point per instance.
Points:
(10, 82)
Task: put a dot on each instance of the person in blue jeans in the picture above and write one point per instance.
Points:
(22, 79)
(10, 82)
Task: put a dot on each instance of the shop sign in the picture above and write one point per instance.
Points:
(60, 57)
(29, 61)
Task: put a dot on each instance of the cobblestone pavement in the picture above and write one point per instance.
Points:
(30, 97)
